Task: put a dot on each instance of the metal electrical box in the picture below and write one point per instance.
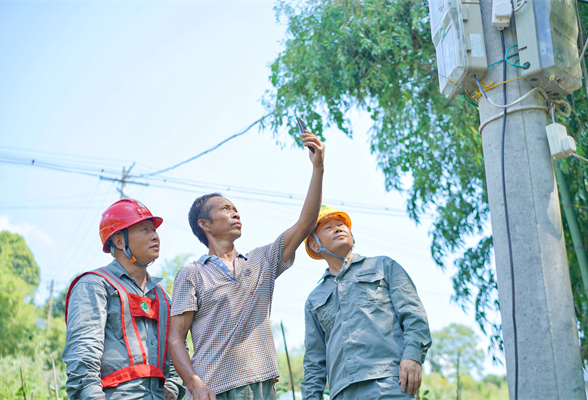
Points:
(547, 35)
(458, 36)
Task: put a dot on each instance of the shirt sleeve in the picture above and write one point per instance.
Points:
(410, 312)
(315, 357)
(185, 294)
(274, 252)
(84, 344)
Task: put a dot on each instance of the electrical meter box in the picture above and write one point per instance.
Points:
(547, 35)
(458, 36)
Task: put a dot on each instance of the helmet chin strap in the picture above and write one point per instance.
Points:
(127, 251)
(323, 250)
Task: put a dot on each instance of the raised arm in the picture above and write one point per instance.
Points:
(178, 329)
(312, 204)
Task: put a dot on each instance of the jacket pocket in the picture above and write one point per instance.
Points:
(324, 311)
(371, 288)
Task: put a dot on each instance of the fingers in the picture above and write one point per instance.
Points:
(402, 377)
(311, 140)
(410, 384)
(414, 382)
(206, 394)
(317, 148)
(409, 377)
(168, 394)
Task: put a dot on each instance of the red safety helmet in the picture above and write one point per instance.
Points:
(121, 215)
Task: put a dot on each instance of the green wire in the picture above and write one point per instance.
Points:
(499, 61)
(468, 99)
(509, 63)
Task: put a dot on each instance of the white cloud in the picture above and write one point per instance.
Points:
(25, 230)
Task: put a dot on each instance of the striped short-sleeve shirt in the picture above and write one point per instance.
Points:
(231, 330)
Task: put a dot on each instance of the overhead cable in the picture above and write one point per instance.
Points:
(203, 153)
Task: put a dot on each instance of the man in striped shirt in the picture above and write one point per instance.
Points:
(224, 298)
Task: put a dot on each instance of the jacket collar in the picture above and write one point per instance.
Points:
(118, 271)
(355, 259)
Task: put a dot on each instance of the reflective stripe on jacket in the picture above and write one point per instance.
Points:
(135, 363)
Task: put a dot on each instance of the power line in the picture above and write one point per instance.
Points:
(203, 153)
(186, 185)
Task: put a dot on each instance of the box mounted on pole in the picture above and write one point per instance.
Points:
(547, 36)
(458, 36)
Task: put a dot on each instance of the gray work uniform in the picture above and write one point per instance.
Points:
(359, 325)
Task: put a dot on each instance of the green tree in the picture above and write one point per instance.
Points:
(295, 356)
(26, 348)
(20, 277)
(454, 352)
(17, 317)
(376, 56)
(170, 269)
(16, 258)
(58, 304)
(439, 387)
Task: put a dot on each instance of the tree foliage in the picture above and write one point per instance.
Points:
(17, 317)
(456, 347)
(576, 178)
(23, 375)
(377, 56)
(489, 388)
(16, 258)
(20, 277)
(170, 270)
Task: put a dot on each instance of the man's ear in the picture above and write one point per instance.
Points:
(204, 224)
(118, 240)
(313, 245)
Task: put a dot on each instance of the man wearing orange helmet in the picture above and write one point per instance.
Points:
(118, 316)
(225, 298)
(366, 328)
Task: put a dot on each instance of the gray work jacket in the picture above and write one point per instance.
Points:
(95, 342)
(360, 324)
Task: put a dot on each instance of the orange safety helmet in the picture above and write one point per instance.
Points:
(325, 213)
(121, 215)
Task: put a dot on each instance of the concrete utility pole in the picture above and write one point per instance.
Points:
(124, 181)
(539, 326)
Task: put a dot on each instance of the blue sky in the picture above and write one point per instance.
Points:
(107, 84)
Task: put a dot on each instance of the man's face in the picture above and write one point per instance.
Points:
(144, 241)
(335, 236)
(224, 218)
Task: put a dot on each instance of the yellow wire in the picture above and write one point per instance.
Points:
(477, 93)
(491, 86)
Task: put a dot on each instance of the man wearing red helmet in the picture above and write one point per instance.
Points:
(366, 328)
(118, 316)
(225, 298)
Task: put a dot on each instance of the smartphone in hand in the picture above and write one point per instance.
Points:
(302, 127)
